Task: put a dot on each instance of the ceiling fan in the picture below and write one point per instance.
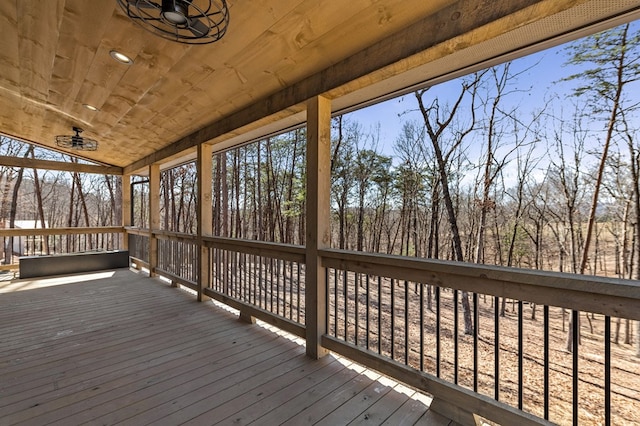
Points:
(184, 21)
(76, 142)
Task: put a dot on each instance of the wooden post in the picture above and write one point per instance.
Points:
(204, 224)
(126, 208)
(154, 215)
(318, 211)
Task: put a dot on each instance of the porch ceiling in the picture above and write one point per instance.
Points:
(54, 57)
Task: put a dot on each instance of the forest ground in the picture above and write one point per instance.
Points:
(625, 366)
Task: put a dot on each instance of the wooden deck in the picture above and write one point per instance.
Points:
(118, 347)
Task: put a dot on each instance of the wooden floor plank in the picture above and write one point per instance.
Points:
(410, 412)
(384, 407)
(125, 405)
(431, 418)
(81, 378)
(261, 400)
(335, 400)
(94, 355)
(92, 388)
(119, 347)
(303, 401)
(192, 404)
(358, 404)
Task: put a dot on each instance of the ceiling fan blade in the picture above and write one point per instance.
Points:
(197, 27)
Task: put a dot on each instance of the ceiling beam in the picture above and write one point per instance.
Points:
(30, 163)
(479, 20)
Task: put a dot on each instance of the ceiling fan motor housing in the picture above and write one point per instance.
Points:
(176, 12)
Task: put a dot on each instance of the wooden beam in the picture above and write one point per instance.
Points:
(125, 206)
(318, 233)
(204, 225)
(29, 163)
(468, 22)
(154, 215)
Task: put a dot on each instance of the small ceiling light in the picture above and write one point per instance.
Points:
(90, 107)
(121, 57)
(184, 21)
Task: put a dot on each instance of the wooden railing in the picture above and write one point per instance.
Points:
(178, 257)
(262, 280)
(404, 317)
(138, 243)
(38, 242)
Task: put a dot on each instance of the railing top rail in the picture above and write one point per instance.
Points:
(18, 232)
(134, 230)
(609, 296)
(173, 235)
(290, 252)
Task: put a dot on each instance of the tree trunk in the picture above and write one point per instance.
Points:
(38, 192)
(13, 209)
(444, 179)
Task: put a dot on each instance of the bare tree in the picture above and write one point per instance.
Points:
(614, 57)
(437, 120)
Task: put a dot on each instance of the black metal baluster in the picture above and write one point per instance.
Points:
(355, 290)
(367, 299)
(520, 353)
(496, 358)
(421, 327)
(326, 294)
(406, 322)
(232, 273)
(456, 325)
(393, 320)
(575, 322)
(277, 262)
(254, 280)
(476, 331)
(379, 315)
(262, 299)
(251, 271)
(335, 300)
(346, 306)
(271, 283)
(607, 370)
(326, 284)
(292, 295)
(438, 325)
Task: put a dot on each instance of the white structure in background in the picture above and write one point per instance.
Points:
(31, 244)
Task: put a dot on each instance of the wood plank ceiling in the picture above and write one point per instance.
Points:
(54, 58)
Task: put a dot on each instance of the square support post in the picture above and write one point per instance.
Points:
(204, 226)
(318, 213)
(125, 185)
(154, 216)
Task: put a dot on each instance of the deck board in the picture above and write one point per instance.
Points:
(121, 348)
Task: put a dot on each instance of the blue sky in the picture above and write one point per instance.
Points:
(538, 82)
(391, 114)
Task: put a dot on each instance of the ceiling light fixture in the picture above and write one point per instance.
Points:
(121, 57)
(76, 142)
(183, 21)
